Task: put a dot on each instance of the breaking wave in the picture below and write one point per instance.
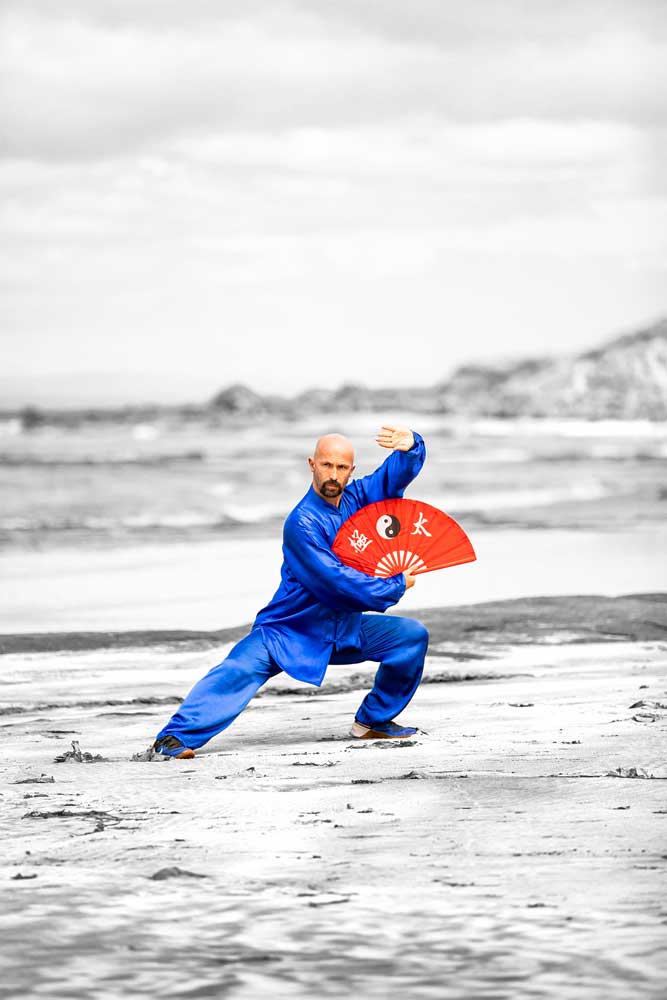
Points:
(182, 521)
(90, 461)
(521, 498)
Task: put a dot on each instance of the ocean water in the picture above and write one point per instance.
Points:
(117, 482)
(178, 521)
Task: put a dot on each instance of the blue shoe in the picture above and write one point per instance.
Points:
(381, 731)
(171, 746)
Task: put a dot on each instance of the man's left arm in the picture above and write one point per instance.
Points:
(398, 469)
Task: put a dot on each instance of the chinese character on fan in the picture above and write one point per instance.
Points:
(419, 526)
(358, 541)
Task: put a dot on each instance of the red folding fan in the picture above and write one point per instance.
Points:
(397, 536)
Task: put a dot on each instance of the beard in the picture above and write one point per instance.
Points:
(331, 489)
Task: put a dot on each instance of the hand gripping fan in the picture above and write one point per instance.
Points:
(397, 536)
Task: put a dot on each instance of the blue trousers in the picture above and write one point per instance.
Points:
(397, 644)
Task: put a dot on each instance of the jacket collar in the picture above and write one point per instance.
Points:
(321, 502)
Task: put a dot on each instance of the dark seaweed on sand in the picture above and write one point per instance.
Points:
(79, 756)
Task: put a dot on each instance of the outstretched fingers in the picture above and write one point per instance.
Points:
(391, 436)
(385, 436)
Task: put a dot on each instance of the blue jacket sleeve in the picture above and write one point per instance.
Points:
(341, 588)
(390, 480)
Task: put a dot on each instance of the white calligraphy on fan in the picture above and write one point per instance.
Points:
(419, 526)
(358, 541)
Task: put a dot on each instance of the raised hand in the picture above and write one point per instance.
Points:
(396, 438)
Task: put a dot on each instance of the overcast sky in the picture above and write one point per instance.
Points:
(307, 192)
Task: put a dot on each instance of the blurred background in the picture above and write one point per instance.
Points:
(228, 229)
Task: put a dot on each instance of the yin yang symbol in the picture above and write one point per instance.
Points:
(388, 526)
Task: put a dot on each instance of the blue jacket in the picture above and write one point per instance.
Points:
(318, 604)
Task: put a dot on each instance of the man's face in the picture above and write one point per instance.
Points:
(332, 466)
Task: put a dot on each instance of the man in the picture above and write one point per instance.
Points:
(315, 617)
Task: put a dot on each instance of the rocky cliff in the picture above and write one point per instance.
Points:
(624, 379)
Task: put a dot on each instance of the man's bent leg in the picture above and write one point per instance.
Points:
(222, 694)
(399, 644)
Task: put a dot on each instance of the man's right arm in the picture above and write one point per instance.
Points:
(339, 587)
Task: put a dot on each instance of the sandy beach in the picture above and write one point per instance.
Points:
(516, 848)
(188, 585)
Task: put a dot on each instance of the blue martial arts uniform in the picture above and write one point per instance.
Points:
(315, 617)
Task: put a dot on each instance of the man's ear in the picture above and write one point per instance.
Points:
(311, 463)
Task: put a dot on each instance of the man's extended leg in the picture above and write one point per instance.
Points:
(399, 645)
(216, 700)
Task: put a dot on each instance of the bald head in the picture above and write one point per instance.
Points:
(335, 442)
(332, 465)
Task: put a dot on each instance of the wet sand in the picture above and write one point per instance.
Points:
(516, 848)
(222, 582)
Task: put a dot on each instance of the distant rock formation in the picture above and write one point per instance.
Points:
(624, 379)
(239, 400)
(351, 398)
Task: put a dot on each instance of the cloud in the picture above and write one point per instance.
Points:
(217, 188)
(93, 81)
(188, 185)
(478, 22)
